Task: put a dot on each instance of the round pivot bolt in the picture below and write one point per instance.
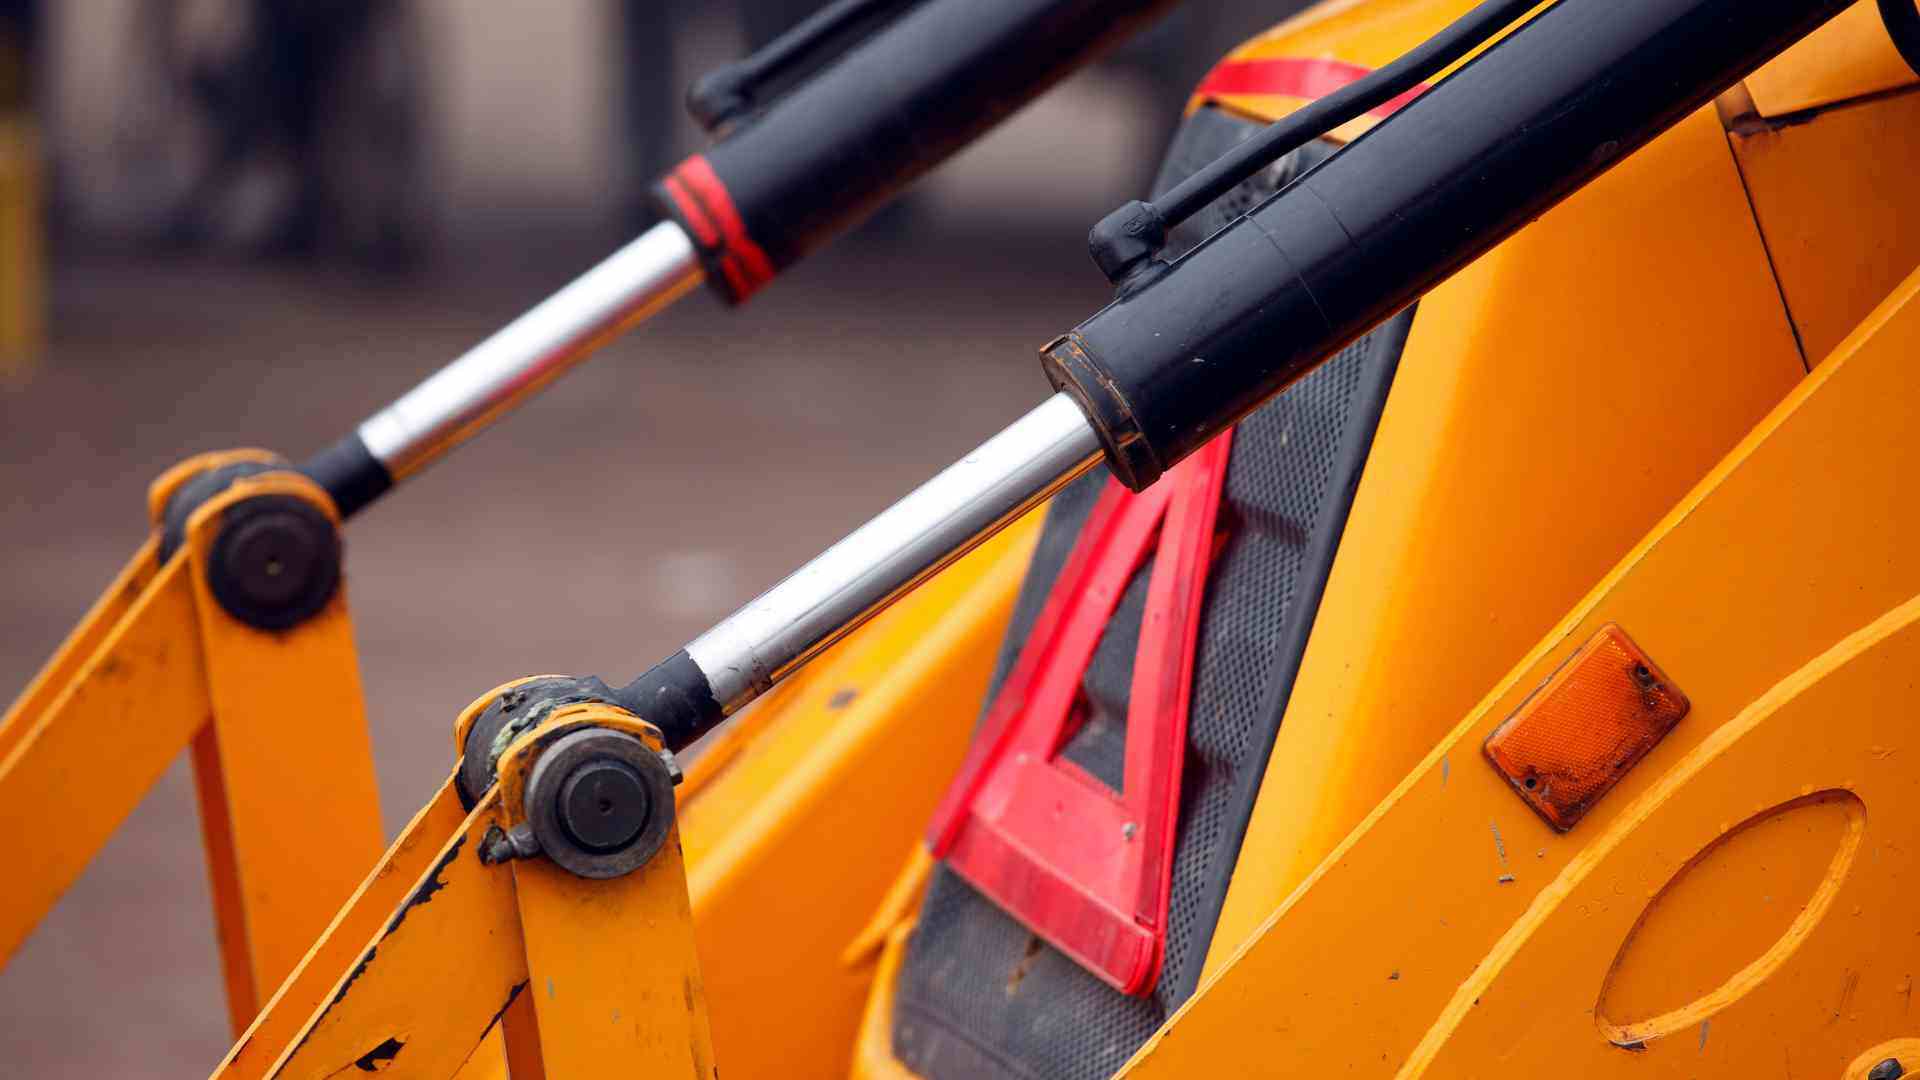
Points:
(600, 802)
(275, 563)
(1889, 1069)
(604, 805)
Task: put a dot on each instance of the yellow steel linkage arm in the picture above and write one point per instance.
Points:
(273, 717)
(578, 944)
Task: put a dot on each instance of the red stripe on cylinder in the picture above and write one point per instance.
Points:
(1308, 79)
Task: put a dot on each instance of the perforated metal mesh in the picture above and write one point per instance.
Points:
(978, 994)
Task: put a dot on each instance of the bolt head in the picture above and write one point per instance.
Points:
(604, 804)
(275, 563)
(600, 802)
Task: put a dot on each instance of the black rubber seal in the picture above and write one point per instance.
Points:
(275, 562)
(349, 474)
(676, 698)
(189, 497)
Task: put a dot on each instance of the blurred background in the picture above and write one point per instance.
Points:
(254, 222)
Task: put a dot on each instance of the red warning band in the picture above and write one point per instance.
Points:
(1310, 80)
(707, 210)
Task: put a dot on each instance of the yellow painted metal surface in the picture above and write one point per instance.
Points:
(1554, 399)
(428, 985)
(794, 823)
(843, 760)
(616, 984)
(100, 620)
(388, 883)
(1903, 1050)
(1848, 57)
(135, 656)
(439, 951)
(873, 1052)
(898, 906)
(290, 807)
(1800, 537)
(288, 803)
(1807, 782)
(1835, 198)
(78, 767)
(614, 978)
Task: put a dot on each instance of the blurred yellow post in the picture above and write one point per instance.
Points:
(22, 273)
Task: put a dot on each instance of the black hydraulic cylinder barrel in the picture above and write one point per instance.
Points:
(836, 147)
(1174, 361)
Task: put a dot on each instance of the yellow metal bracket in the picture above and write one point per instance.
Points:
(450, 945)
(274, 720)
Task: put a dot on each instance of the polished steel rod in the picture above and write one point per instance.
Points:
(495, 375)
(850, 582)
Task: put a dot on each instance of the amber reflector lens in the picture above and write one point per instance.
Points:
(1591, 721)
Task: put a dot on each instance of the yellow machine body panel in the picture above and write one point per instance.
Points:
(1833, 196)
(1850, 57)
(1554, 399)
(797, 821)
(1455, 933)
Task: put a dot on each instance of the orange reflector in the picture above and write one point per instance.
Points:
(1591, 721)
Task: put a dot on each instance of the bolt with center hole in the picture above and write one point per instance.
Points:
(604, 805)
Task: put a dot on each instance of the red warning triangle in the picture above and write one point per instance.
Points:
(1084, 867)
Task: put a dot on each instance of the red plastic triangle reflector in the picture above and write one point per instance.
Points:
(1086, 868)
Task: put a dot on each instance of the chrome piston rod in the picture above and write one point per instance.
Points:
(493, 376)
(518, 360)
(749, 651)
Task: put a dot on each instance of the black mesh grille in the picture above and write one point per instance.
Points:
(979, 995)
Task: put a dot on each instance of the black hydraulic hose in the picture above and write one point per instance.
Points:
(1126, 239)
(1167, 366)
(725, 93)
(1903, 25)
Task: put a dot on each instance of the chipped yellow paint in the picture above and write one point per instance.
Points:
(389, 883)
(615, 980)
(428, 985)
